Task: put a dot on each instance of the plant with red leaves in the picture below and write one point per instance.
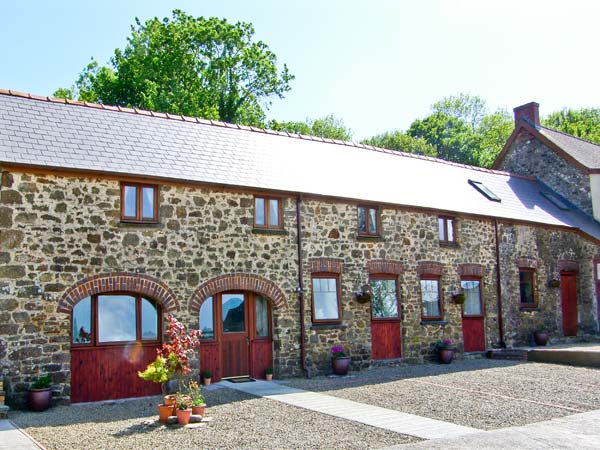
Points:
(181, 345)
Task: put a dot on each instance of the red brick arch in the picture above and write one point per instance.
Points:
(119, 281)
(235, 282)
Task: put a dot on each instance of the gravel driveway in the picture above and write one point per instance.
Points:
(239, 421)
(485, 394)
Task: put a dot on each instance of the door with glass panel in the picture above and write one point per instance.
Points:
(236, 335)
(472, 315)
(113, 336)
(385, 318)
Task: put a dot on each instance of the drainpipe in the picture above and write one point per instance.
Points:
(300, 288)
(499, 287)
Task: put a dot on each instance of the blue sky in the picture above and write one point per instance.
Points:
(376, 64)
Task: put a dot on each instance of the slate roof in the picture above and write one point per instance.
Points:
(47, 132)
(585, 152)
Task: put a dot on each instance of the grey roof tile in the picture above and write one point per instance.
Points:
(92, 138)
(585, 152)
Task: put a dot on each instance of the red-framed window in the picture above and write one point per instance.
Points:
(268, 213)
(384, 303)
(368, 220)
(326, 305)
(431, 298)
(471, 289)
(115, 318)
(139, 203)
(446, 229)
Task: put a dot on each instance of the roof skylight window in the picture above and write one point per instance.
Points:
(554, 199)
(483, 189)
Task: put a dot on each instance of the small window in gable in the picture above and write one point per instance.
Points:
(139, 203)
(368, 220)
(267, 213)
(483, 189)
(446, 229)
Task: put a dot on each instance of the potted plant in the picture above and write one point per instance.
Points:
(39, 395)
(206, 377)
(160, 371)
(445, 350)
(269, 373)
(540, 336)
(340, 361)
(554, 282)
(364, 294)
(184, 409)
(198, 404)
(459, 297)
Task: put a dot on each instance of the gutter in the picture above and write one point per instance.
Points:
(300, 288)
(499, 288)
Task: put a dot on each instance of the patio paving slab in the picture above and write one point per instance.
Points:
(12, 438)
(374, 416)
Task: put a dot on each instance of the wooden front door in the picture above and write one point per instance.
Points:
(237, 339)
(386, 340)
(472, 316)
(568, 290)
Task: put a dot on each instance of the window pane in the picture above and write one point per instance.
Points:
(262, 317)
(362, 220)
(450, 230)
(234, 320)
(526, 287)
(430, 297)
(129, 197)
(372, 221)
(472, 306)
(274, 213)
(148, 203)
(116, 318)
(325, 299)
(385, 300)
(442, 231)
(82, 321)
(207, 324)
(259, 211)
(149, 320)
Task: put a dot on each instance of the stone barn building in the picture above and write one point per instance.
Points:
(111, 218)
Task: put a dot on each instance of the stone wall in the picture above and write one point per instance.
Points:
(58, 230)
(529, 156)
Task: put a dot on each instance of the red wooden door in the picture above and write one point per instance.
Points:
(235, 335)
(472, 316)
(568, 290)
(386, 342)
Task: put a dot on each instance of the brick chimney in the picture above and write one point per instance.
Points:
(530, 110)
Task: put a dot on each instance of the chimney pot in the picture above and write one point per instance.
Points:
(530, 110)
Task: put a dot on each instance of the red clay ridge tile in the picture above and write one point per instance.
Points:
(257, 130)
(18, 93)
(37, 97)
(158, 114)
(4, 92)
(126, 109)
(188, 118)
(110, 107)
(142, 112)
(57, 100)
(92, 105)
(203, 121)
(244, 127)
(74, 102)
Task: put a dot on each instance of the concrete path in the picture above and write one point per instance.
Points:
(12, 438)
(576, 432)
(375, 416)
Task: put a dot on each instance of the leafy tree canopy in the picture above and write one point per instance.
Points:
(583, 123)
(184, 65)
(397, 140)
(471, 109)
(326, 127)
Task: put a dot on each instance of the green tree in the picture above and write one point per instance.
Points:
(471, 109)
(194, 66)
(494, 130)
(326, 127)
(583, 123)
(397, 140)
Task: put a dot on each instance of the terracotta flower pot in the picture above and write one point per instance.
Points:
(340, 366)
(540, 338)
(446, 355)
(169, 399)
(199, 410)
(39, 399)
(269, 376)
(183, 416)
(206, 381)
(165, 411)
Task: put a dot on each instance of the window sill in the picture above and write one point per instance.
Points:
(449, 244)
(270, 231)
(369, 238)
(328, 326)
(434, 322)
(529, 308)
(128, 224)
